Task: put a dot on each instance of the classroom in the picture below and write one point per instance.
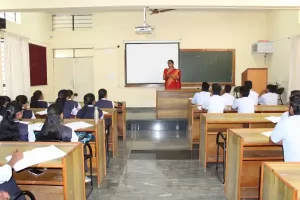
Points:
(116, 100)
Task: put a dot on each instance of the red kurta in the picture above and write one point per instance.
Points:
(173, 82)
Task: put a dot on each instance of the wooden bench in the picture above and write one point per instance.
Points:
(62, 180)
(211, 124)
(194, 119)
(280, 181)
(247, 149)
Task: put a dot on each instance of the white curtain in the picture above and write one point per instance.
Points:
(294, 70)
(16, 63)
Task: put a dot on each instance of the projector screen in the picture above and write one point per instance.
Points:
(145, 62)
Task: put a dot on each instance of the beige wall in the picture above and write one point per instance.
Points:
(282, 24)
(37, 27)
(201, 29)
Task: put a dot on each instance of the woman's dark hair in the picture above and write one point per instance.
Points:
(102, 93)
(295, 103)
(3, 101)
(244, 91)
(70, 93)
(52, 126)
(171, 61)
(248, 84)
(9, 130)
(216, 88)
(205, 86)
(21, 99)
(88, 100)
(35, 98)
(293, 92)
(62, 97)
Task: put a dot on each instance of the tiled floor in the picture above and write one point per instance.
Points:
(157, 165)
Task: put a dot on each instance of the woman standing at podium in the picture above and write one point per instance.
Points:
(172, 77)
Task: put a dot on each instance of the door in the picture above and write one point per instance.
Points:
(83, 77)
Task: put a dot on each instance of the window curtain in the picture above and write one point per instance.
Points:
(294, 70)
(16, 64)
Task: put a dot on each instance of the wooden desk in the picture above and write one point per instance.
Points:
(98, 146)
(280, 181)
(64, 177)
(194, 119)
(211, 124)
(121, 117)
(247, 149)
(172, 104)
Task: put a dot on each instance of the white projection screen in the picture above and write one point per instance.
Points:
(145, 62)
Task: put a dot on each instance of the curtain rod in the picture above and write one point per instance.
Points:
(29, 39)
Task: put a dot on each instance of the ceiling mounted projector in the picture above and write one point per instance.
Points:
(145, 28)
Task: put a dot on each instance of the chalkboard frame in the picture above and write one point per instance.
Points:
(197, 84)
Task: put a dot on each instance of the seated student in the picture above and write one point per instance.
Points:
(37, 100)
(23, 101)
(103, 102)
(7, 182)
(244, 104)
(286, 114)
(269, 96)
(200, 97)
(253, 95)
(4, 100)
(87, 112)
(10, 127)
(69, 107)
(286, 131)
(228, 98)
(215, 103)
(71, 98)
(53, 130)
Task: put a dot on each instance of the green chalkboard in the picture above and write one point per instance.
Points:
(199, 65)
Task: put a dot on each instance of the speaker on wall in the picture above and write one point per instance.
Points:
(2, 23)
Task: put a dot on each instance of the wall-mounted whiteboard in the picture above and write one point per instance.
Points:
(145, 62)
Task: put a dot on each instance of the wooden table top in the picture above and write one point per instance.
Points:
(253, 136)
(287, 172)
(259, 108)
(238, 118)
(7, 148)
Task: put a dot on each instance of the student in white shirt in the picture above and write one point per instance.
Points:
(269, 96)
(253, 95)
(200, 97)
(287, 131)
(286, 114)
(216, 103)
(228, 98)
(245, 103)
(7, 183)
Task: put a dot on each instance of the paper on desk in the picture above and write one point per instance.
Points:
(268, 133)
(44, 112)
(199, 108)
(78, 125)
(38, 155)
(36, 126)
(273, 119)
(104, 112)
(22, 122)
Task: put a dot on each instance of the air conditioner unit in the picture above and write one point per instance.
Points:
(263, 47)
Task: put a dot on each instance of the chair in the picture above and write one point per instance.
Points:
(280, 92)
(25, 193)
(89, 156)
(221, 144)
(236, 91)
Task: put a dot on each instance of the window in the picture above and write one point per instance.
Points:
(73, 53)
(2, 66)
(10, 16)
(72, 22)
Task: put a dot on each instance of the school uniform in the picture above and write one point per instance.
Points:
(70, 109)
(268, 99)
(88, 113)
(25, 132)
(244, 105)
(228, 99)
(28, 114)
(200, 97)
(215, 104)
(254, 96)
(7, 183)
(2, 111)
(76, 104)
(40, 104)
(104, 103)
(287, 131)
(66, 135)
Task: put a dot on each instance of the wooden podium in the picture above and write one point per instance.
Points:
(258, 76)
